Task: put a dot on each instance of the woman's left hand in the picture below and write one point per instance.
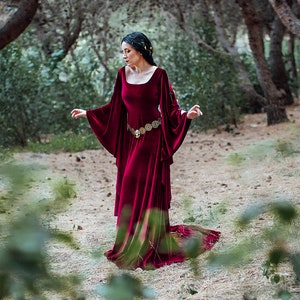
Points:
(194, 112)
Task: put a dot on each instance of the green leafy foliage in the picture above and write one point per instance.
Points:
(25, 271)
(284, 211)
(270, 272)
(203, 78)
(5, 154)
(278, 238)
(20, 90)
(124, 287)
(284, 295)
(236, 255)
(295, 259)
(192, 247)
(37, 95)
(249, 214)
(249, 63)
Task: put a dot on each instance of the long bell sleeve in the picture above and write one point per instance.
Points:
(109, 122)
(175, 123)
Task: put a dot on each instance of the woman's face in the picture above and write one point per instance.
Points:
(131, 56)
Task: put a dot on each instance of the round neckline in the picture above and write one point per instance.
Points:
(139, 83)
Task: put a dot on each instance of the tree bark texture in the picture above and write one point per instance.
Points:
(18, 22)
(291, 63)
(279, 75)
(275, 99)
(287, 17)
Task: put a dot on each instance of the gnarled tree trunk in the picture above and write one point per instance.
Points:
(275, 99)
(278, 71)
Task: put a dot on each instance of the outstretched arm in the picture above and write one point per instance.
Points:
(194, 112)
(78, 113)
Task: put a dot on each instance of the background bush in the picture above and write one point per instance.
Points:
(37, 95)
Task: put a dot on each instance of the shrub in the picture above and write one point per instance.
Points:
(37, 95)
(202, 78)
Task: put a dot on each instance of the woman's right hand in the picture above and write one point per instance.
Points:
(78, 113)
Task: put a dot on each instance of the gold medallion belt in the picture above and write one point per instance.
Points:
(142, 130)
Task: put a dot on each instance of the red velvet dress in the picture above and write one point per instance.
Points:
(145, 238)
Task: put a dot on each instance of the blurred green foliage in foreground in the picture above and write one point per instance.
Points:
(277, 240)
(25, 271)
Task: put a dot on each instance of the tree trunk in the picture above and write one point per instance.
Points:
(18, 22)
(291, 62)
(276, 60)
(285, 14)
(254, 100)
(275, 99)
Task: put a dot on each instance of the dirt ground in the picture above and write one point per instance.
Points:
(206, 189)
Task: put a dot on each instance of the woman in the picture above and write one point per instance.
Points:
(143, 126)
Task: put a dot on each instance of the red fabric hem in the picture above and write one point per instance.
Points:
(208, 238)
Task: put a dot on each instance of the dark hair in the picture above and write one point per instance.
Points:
(142, 44)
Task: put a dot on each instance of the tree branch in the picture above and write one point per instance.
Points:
(18, 22)
(71, 36)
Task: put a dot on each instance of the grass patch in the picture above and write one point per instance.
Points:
(5, 154)
(235, 159)
(284, 148)
(261, 151)
(267, 149)
(68, 142)
(255, 152)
